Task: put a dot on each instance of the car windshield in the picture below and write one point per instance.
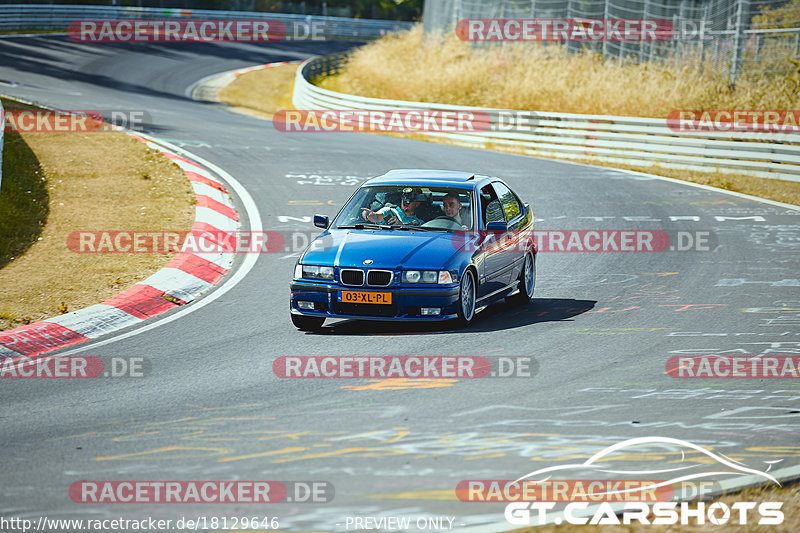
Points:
(395, 207)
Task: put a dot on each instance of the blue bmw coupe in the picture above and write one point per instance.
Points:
(417, 245)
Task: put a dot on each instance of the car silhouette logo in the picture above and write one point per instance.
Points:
(367, 261)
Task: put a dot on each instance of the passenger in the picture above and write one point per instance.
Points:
(406, 215)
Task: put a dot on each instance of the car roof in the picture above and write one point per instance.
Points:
(428, 177)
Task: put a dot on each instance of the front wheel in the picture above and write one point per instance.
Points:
(307, 323)
(527, 281)
(466, 298)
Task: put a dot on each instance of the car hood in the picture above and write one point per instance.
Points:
(389, 249)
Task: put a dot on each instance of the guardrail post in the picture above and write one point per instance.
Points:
(738, 41)
(680, 47)
(703, 44)
(642, 45)
(605, 19)
(568, 46)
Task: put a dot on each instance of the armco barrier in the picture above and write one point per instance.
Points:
(632, 140)
(58, 17)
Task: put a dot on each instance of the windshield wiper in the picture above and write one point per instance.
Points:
(410, 227)
(364, 226)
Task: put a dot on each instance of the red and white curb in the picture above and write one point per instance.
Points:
(181, 281)
(245, 70)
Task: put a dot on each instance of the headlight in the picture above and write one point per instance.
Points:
(412, 276)
(426, 276)
(314, 272)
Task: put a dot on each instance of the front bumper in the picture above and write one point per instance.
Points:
(406, 302)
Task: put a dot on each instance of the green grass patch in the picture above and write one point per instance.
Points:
(23, 196)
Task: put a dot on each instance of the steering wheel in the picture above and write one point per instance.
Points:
(450, 223)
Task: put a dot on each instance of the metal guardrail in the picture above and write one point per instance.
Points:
(58, 17)
(632, 140)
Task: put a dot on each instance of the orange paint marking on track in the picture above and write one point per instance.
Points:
(402, 384)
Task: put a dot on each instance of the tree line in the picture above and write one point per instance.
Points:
(379, 9)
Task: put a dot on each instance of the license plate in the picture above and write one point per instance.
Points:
(360, 297)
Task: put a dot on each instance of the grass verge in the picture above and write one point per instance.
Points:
(531, 76)
(542, 78)
(57, 183)
(23, 198)
(263, 91)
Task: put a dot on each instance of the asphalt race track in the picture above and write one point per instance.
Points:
(600, 329)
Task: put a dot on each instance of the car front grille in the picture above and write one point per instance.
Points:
(352, 277)
(379, 278)
(375, 278)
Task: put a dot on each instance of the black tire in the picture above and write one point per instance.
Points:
(526, 285)
(307, 323)
(467, 292)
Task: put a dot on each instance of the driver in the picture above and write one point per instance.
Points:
(412, 198)
(452, 206)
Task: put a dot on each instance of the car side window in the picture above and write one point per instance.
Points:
(508, 200)
(492, 208)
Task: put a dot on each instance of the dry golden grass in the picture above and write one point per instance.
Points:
(787, 192)
(265, 91)
(92, 181)
(410, 66)
(789, 495)
(532, 76)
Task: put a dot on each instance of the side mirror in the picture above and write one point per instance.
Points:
(321, 221)
(497, 227)
(493, 232)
